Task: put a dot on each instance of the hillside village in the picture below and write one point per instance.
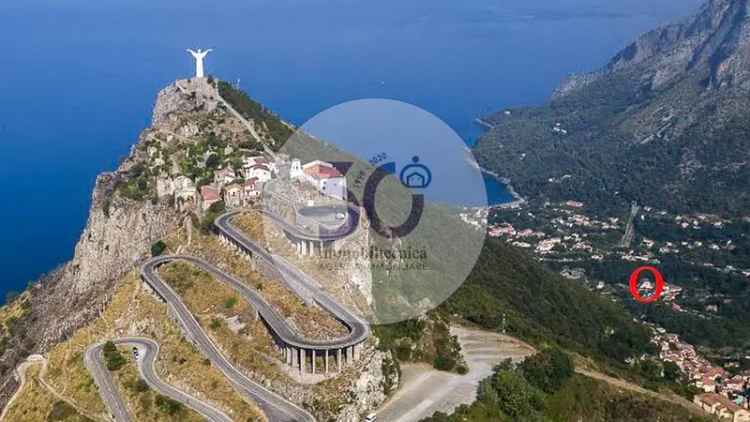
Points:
(723, 394)
(575, 240)
(244, 186)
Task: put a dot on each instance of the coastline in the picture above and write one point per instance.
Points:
(517, 201)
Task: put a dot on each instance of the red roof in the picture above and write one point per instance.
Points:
(209, 193)
(320, 171)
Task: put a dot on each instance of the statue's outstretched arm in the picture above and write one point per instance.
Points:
(191, 52)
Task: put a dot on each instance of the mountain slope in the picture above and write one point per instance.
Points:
(508, 290)
(664, 123)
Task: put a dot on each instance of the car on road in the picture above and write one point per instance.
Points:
(136, 353)
(370, 418)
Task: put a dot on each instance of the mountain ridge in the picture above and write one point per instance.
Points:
(656, 124)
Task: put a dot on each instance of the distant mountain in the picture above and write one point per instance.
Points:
(664, 123)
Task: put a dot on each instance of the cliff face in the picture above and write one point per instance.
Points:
(140, 203)
(716, 40)
(663, 123)
(117, 237)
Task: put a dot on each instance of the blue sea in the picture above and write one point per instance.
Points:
(78, 78)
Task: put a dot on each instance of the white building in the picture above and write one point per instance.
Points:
(233, 195)
(326, 178)
(250, 191)
(224, 176)
(295, 171)
(185, 193)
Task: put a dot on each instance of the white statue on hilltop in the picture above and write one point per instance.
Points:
(199, 55)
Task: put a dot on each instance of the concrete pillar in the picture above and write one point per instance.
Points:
(301, 361)
(326, 359)
(313, 361)
(338, 359)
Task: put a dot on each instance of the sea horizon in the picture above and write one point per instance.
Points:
(79, 89)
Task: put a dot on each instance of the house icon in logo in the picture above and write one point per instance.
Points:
(415, 175)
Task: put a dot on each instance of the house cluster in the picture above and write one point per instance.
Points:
(721, 406)
(699, 220)
(724, 394)
(543, 244)
(244, 186)
(476, 217)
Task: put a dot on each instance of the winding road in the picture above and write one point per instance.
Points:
(275, 407)
(148, 351)
(296, 280)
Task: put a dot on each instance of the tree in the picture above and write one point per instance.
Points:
(215, 210)
(213, 161)
(651, 369)
(113, 357)
(516, 397)
(672, 371)
(548, 370)
(167, 405)
(230, 302)
(215, 324)
(158, 248)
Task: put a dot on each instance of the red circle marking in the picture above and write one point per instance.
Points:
(634, 284)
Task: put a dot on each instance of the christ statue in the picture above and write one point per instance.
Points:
(199, 55)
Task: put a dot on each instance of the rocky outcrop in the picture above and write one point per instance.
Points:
(368, 391)
(182, 98)
(663, 124)
(117, 236)
(716, 38)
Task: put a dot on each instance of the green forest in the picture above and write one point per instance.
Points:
(545, 388)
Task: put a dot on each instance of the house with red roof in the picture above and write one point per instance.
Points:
(722, 407)
(210, 195)
(326, 178)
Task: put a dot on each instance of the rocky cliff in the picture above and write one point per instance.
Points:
(146, 198)
(663, 123)
(117, 237)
